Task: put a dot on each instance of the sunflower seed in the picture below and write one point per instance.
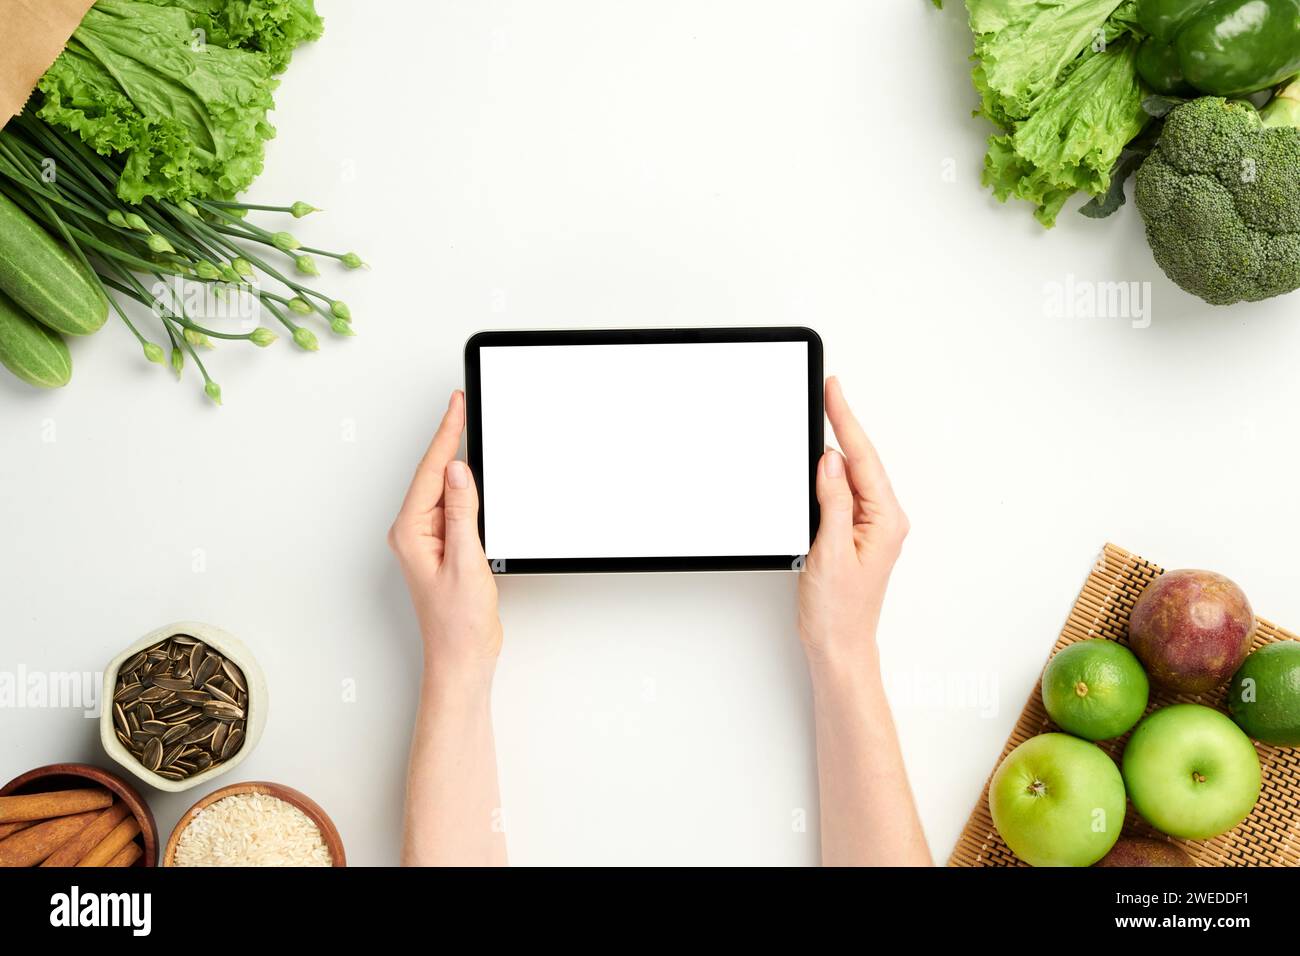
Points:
(220, 694)
(170, 774)
(153, 754)
(173, 734)
(232, 744)
(171, 753)
(235, 675)
(202, 761)
(128, 692)
(157, 654)
(144, 711)
(197, 653)
(155, 694)
(219, 738)
(184, 640)
(154, 727)
(134, 663)
(133, 722)
(173, 683)
(119, 718)
(222, 710)
(202, 732)
(126, 741)
(175, 652)
(205, 670)
(193, 696)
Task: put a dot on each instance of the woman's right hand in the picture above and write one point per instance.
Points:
(861, 535)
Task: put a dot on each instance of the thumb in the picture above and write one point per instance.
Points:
(460, 515)
(835, 496)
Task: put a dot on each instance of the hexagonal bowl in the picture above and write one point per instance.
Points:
(232, 648)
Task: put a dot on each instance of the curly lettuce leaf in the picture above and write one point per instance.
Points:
(274, 28)
(1025, 48)
(190, 119)
(1072, 140)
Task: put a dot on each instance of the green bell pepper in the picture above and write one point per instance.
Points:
(1218, 47)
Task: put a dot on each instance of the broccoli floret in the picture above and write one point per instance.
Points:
(1266, 184)
(1220, 196)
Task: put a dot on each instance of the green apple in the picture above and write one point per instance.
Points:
(1191, 772)
(1058, 801)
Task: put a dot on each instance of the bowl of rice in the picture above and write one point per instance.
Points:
(255, 824)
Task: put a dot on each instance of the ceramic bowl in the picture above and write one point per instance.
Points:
(232, 648)
(71, 776)
(329, 833)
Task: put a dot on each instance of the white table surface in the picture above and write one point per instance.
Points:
(595, 163)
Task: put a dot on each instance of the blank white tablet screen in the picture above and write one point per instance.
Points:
(645, 450)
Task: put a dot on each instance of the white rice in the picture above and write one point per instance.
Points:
(251, 829)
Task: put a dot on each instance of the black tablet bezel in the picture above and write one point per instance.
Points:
(474, 445)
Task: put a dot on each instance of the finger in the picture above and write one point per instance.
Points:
(865, 470)
(836, 500)
(426, 487)
(460, 515)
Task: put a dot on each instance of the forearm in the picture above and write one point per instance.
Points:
(868, 816)
(453, 801)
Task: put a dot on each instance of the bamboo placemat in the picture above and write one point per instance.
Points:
(1270, 836)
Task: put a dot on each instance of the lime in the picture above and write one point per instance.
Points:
(1095, 689)
(1264, 696)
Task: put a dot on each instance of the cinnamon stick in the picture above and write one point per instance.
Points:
(59, 803)
(36, 843)
(127, 855)
(107, 848)
(71, 853)
(7, 829)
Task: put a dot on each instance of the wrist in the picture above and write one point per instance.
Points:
(854, 668)
(458, 682)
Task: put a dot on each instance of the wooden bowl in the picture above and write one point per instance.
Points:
(329, 833)
(71, 776)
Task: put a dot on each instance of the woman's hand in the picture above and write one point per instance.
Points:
(453, 801)
(862, 529)
(868, 816)
(435, 538)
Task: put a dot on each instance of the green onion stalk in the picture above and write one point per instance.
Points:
(72, 191)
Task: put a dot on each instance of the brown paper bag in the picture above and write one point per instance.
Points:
(32, 34)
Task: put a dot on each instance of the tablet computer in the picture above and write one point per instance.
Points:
(645, 449)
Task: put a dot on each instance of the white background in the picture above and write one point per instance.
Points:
(678, 162)
(663, 450)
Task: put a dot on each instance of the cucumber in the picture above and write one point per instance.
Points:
(30, 350)
(44, 278)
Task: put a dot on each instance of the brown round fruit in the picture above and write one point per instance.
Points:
(1191, 630)
(1143, 851)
